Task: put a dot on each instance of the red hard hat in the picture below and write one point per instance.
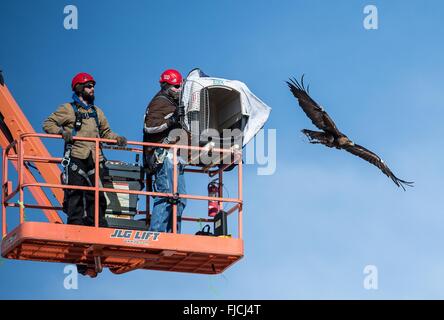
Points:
(171, 76)
(81, 78)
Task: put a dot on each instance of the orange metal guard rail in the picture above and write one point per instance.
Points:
(22, 156)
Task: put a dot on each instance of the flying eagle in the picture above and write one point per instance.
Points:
(330, 136)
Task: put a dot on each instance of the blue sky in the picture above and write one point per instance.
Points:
(312, 227)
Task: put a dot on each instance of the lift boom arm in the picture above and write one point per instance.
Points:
(13, 123)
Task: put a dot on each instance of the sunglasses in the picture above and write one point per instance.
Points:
(89, 86)
(177, 86)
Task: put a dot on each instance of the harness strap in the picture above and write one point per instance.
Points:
(84, 115)
(75, 168)
(67, 156)
(77, 126)
(85, 175)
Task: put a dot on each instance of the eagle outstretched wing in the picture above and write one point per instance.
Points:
(371, 157)
(331, 136)
(314, 111)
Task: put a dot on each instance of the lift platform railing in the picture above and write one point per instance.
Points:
(21, 159)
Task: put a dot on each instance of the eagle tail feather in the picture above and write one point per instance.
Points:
(402, 183)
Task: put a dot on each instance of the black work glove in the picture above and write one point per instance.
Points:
(67, 136)
(180, 111)
(121, 141)
(173, 121)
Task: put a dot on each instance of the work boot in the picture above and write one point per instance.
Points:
(81, 268)
(85, 271)
(90, 222)
(103, 223)
(91, 272)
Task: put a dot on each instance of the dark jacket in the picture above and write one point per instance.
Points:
(158, 122)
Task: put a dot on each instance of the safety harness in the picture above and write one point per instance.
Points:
(66, 161)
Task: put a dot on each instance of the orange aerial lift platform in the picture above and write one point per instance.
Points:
(119, 249)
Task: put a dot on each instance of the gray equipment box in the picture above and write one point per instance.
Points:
(119, 170)
(123, 176)
(122, 203)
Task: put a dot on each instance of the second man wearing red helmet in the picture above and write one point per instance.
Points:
(161, 117)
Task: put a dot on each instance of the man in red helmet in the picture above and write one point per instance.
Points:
(162, 116)
(81, 118)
